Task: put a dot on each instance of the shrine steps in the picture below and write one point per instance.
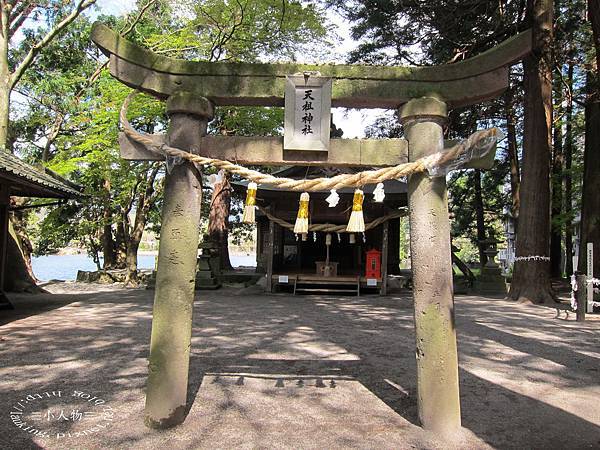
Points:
(321, 285)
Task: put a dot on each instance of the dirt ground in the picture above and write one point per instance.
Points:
(291, 372)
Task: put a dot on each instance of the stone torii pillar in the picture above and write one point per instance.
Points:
(174, 296)
(437, 361)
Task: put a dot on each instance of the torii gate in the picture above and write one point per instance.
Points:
(421, 94)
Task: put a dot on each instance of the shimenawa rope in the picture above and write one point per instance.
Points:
(329, 227)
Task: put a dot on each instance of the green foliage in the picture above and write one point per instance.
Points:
(91, 158)
(427, 32)
(69, 117)
(57, 230)
(469, 252)
(220, 30)
(248, 121)
(463, 191)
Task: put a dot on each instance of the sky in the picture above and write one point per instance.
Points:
(351, 121)
(116, 7)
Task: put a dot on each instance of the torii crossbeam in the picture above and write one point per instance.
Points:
(421, 94)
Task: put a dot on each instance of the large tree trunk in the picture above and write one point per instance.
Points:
(4, 112)
(590, 209)
(531, 279)
(144, 203)
(18, 274)
(218, 220)
(108, 250)
(108, 244)
(121, 240)
(19, 221)
(558, 153)
(513, 156)
(131, 262)
(568, 175)
(590, 216)
(557, 190)
(5, 79)
(133, 244)
(17, 277)
(480, 218)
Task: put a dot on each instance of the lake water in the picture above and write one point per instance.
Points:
(65, 267)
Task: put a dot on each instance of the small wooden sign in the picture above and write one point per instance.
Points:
(307, 113)
(371, 281)
(284, 279)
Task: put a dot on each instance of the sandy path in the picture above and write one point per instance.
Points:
(296, 372)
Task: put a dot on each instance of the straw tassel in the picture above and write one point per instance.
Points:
(250, 205)
(301, 225)
(356, 224)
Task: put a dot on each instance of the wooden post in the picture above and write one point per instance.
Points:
(4, 206)
(581, 297)
(259, 247)
(437, 361)
(270, 248)
(384, 257)
(166, 394)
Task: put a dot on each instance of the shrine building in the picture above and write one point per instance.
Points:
(296, 263)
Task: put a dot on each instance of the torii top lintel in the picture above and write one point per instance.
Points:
(477, 79)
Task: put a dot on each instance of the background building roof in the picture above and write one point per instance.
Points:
(27, 181)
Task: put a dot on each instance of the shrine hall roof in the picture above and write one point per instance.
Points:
(25, 180)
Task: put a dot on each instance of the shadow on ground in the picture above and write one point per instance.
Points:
(306, 372)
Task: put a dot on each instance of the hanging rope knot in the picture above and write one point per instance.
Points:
(249, 215)
(173, 161)
(357, 221)
(303, 209)
(301, 225)
(357, 200)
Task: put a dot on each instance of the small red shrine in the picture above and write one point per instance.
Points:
(373, 264)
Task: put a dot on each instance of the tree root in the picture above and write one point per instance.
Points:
(536, 294)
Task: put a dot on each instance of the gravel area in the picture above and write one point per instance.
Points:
(275, 371)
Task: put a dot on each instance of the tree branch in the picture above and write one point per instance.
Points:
(227, 36)
(19, 16)
(38, 100)
(95, 75)
(130, 28)
(82, 5)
